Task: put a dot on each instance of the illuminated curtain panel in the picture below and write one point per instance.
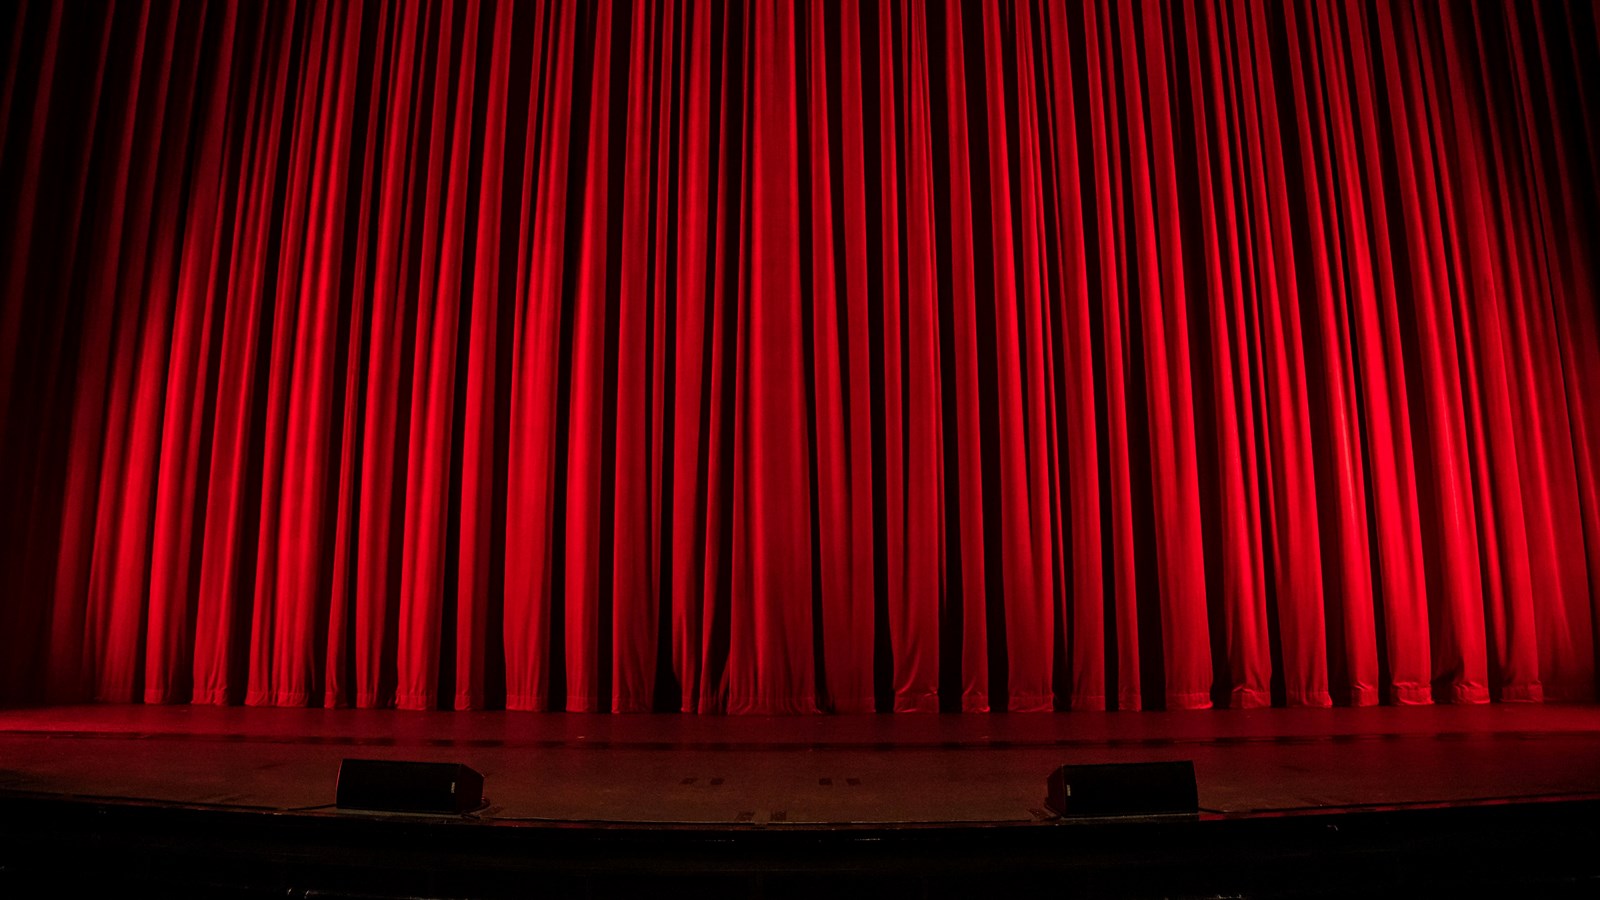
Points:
(789, 357)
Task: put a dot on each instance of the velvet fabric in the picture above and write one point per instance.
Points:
(781, 357)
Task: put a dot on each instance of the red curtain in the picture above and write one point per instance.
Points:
(773, 358)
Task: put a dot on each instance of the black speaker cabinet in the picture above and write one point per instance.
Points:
(408, 786)
(1124, 789)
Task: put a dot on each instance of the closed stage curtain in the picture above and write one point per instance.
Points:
(782, 357)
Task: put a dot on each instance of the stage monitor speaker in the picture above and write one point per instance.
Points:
(421, 787)
(1124, 789)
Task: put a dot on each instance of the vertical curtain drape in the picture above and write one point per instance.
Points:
(780, 357)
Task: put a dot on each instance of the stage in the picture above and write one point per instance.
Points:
(781, 364)
(1294, 801)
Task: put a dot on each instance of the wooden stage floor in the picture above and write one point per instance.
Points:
(806, 772)
(221, 802)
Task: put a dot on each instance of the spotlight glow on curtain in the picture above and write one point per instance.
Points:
(772, 358)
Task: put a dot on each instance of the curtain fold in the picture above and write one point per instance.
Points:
(792, 357)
